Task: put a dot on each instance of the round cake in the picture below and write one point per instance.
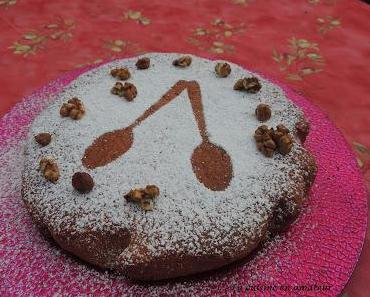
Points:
(166, 165)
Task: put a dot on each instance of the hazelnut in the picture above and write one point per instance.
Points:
(143, 63)
(183, 61)
(43, 139)
(263, 112)
(222, 69)
(129, 91)
(82, 182)
(152, 191)
(49, 169)
(121, 73)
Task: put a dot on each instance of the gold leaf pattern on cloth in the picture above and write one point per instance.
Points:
(327, 24)
(363, 155)
(117, 48)
(136, 16)
(363, 160)
(214, 37)
(36, 39)
(123, 46)
(242, 2)
(90, 63)
(302, 58)
(326, 2)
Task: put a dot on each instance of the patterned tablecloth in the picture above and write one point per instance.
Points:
(321, 48)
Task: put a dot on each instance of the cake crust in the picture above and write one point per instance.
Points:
(194, 226)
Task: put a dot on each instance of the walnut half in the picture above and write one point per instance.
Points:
(49, 169)
(143, 196)
(74, 109)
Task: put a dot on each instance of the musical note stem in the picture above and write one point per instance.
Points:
(194, 95)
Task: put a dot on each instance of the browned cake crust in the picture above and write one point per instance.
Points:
(104, 249)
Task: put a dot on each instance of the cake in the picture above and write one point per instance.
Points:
(166, 165)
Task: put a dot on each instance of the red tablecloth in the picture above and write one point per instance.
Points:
(321, 48)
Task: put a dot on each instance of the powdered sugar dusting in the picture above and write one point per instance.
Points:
(321, 248)
(163, 145)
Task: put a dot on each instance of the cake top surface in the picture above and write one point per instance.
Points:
(161, 153)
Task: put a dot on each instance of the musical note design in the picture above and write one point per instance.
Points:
(210, 163)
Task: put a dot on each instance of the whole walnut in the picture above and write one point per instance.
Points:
(74, 109)
(121, 73)
(248, 84)
(270, 140)
(264, 141)
(283, 139)
(251, 84)
(183, 61)
(239, 86)
(129, 91)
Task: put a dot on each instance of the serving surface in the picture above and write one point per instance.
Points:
(322, 247)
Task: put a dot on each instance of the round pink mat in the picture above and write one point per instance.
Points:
(314, 258)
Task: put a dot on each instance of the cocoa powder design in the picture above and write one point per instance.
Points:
(211, 164)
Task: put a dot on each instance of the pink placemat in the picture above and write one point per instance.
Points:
(314, 258)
